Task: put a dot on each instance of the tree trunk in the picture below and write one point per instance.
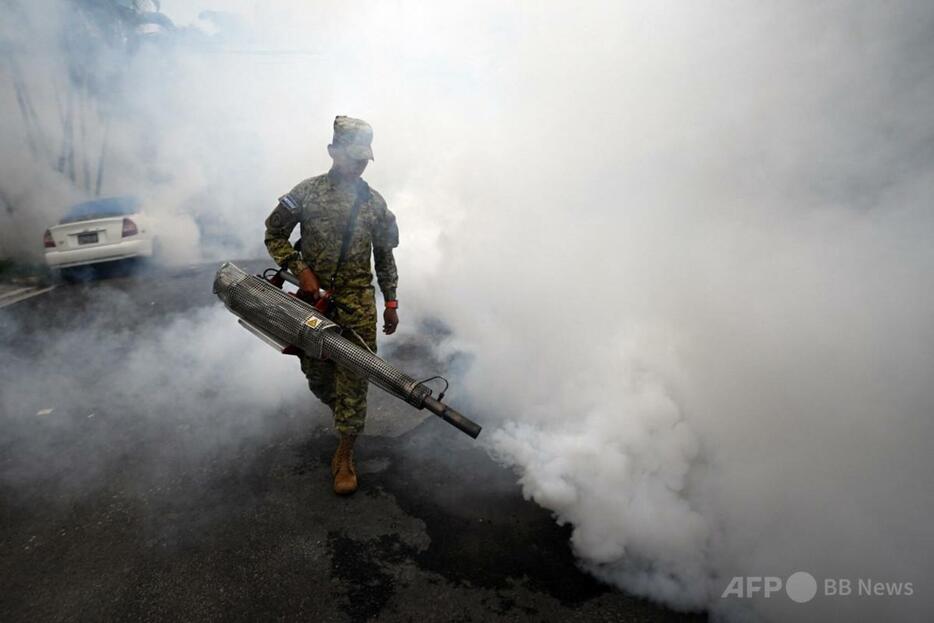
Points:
(100, 161)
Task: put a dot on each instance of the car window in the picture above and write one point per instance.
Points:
(101, 208)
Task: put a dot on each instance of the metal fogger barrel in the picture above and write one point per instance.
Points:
(282, 320)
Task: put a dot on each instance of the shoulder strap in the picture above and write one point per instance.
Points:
(363, 193)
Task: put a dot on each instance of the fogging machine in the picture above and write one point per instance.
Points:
(290, 324)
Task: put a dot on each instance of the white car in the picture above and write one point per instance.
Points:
(102, 230)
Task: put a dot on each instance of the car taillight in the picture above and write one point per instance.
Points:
(47, 240)
(129, 228)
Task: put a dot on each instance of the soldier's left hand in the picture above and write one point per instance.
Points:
(390, 320)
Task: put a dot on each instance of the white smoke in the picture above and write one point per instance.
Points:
(688, 249)
(191, 386)
(686, 245)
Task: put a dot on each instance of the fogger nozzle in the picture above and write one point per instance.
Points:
(284, 319)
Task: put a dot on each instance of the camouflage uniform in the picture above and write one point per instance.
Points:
(322, 206)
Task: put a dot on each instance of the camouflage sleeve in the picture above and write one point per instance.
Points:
(385, 239)
(279, 226)
(386, 273)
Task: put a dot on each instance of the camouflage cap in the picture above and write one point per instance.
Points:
(354, 136)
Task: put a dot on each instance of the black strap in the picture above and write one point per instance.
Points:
(363, 193)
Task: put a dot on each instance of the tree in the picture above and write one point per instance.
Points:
(94, 52)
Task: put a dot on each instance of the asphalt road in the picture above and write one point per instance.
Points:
(108, 514)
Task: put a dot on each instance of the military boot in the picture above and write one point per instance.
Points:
(342, 469)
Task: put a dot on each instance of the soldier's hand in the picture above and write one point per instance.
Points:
(390, 320)
(308, 282)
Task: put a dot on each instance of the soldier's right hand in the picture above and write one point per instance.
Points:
(308, 283)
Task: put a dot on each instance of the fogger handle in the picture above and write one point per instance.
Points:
(322, 304)
(453, 417)
(287, 276)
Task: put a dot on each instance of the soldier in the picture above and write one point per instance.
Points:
(332, 208)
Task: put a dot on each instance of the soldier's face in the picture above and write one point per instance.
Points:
(345, 165)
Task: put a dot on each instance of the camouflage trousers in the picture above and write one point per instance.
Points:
(335, 386)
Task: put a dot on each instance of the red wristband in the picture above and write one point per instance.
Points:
(392, 304)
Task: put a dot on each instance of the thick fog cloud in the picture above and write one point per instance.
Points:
(686, 245)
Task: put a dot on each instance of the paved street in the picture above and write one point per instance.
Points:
(11, 294)
(153, 502)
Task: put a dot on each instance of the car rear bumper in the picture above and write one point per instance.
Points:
(102, 253)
